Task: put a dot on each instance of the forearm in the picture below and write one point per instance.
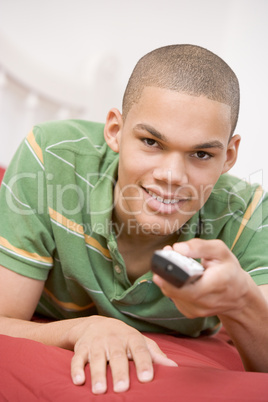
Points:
(248, 330)
(56, 333)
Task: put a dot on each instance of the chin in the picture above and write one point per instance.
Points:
(156, 227)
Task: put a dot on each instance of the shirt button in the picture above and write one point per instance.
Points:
(117, 269)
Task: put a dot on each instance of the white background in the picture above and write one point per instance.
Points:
(74, 57)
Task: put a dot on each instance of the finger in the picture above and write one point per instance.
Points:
(167, 248)
(78, 363)
(158, 356)
(188, 299)
(119, 364)
(165, 286)
(200, 248)
(142, 359)
(98, 367)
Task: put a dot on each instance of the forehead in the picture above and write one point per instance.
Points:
(170, 111)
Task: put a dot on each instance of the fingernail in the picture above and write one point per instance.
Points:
(146, 375)
(78, 379)
(98, 388)
(167, 248)
(120, 386)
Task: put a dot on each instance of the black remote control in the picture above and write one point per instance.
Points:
(176, 268)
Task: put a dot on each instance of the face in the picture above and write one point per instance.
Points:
(172, 148)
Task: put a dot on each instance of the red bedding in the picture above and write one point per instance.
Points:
(209, 369)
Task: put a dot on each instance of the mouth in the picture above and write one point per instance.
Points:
(164, 200)
(165, 203)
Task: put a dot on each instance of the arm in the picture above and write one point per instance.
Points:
(249, 330)
(229, 292)
(95, 339)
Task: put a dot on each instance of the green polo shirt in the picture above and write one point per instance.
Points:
(56, 204)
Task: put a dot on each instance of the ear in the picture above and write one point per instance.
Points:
(113, 128)
(231, 153)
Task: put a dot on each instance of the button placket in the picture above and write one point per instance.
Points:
(117, 269)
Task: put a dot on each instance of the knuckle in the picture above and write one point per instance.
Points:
(80, 349)
(117, 353)
(151, 343)
(140, 349)
(96, 355)
(79, 346)
(192, 315)
(221, 246)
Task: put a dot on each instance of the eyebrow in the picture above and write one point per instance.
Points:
(151, 130)
(157, 134)
(210, 144)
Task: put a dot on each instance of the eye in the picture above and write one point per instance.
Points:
(150, 142)
(202, 155)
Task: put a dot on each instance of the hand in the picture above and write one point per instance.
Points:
(99, 340)
(222, 288)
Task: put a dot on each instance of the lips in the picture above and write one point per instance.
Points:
(166, 198)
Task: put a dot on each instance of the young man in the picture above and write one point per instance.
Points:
(84, 206)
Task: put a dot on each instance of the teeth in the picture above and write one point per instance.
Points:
(160, 199)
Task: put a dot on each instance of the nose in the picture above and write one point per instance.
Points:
(172, 169)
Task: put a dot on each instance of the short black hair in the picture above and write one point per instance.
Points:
(189, 69)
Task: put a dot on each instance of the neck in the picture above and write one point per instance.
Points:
(131, 232)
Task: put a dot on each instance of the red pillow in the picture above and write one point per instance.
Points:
(209, 370)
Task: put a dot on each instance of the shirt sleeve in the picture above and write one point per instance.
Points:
(251, 247)
(26, 241)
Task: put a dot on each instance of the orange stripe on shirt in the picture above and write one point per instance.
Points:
(36, 148)
(94, 243)
(68, 223)
(68, 305)
(75, 227)
(26, 254)
(249, 212)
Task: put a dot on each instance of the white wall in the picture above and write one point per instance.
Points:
(75, 56)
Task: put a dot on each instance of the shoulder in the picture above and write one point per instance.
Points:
(234, 193)
(65, 133)
(69, 141)
(233, 206)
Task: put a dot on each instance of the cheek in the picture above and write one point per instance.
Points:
(129, 169)
(128, 177)
(206, 174)
(132, 166)
(202, 183)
